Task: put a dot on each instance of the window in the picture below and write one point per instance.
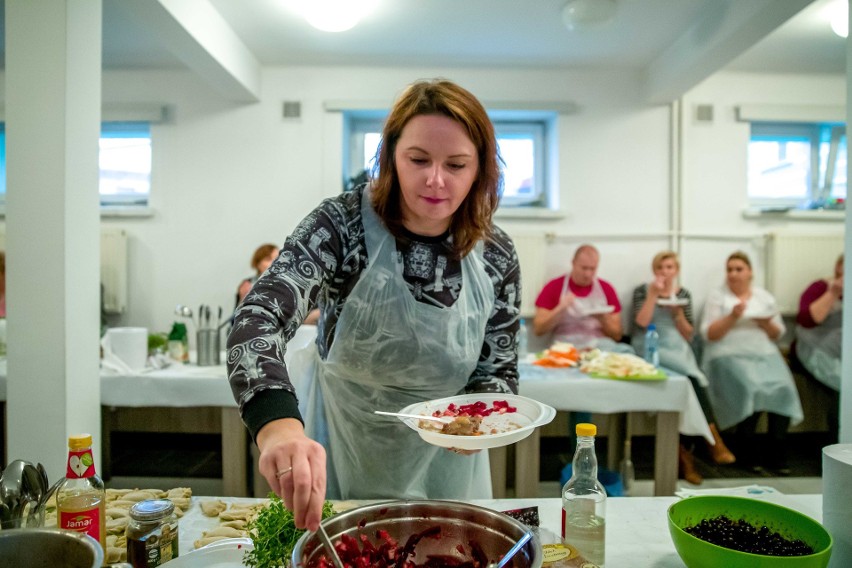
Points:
(124, 161)
(522, 137)
(799, 165)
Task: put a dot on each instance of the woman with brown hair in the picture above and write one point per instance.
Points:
(260, 261)
(748, 375)
(668, 306)
(420, 296)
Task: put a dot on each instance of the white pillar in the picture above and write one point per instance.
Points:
(53, 100)
(846, 361)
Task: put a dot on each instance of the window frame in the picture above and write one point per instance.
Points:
(541, 124)
(820, 182)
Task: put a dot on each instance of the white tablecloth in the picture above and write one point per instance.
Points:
(570, 390)
(637, 531)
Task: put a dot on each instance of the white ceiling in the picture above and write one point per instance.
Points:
(648, 36)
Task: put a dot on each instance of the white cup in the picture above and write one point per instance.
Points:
(130, 344)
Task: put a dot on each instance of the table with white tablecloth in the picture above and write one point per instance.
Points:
(637, 532)
(567, 389)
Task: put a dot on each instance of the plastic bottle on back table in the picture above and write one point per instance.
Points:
(584, 501)
(81, 497)
(523, 340)
(652, 345)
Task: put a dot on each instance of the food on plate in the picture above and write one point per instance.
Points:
(745, 537)
(467, 418)
(560, 354)
(463, 426)
(274, 534)
(615, 364)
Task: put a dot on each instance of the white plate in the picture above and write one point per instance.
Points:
(596, 310)
(672, 302)
(758, 315)
(512, 426)
(225, 553)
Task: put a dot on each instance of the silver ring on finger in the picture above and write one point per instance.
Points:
(282, 472)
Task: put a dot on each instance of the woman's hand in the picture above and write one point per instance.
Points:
(738, 310)
(657, 288)
(294, 466)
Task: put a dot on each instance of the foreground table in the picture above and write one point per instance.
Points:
(673, 400)
(637, 532)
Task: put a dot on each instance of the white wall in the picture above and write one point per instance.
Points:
(228, 177)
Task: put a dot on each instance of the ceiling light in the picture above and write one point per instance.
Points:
(586, 14)
(838, 15)
(336, 15)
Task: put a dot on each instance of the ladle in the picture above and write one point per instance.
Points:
(441, 419)
(512, 551)
(11, 487)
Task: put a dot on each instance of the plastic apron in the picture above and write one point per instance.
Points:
(390, 351)
(585, 331)
(819, 347)
(748, 374)
(675, 352)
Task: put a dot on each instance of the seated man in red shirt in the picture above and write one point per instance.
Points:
(581, 308)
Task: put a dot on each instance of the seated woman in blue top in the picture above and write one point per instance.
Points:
(748, 375)
(669, 307)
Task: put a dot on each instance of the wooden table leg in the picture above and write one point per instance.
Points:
(665, 453)
(234, 454)
(617, 425)
(527, 463)
(497, 459)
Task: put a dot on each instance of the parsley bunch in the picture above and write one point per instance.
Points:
(274, 534)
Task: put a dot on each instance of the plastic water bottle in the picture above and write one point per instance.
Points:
(523, 341)
(652, 345)
(584, 501)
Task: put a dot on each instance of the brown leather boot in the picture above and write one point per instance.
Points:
(686, 466)
(719, 452)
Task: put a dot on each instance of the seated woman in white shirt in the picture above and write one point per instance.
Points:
(747, 373)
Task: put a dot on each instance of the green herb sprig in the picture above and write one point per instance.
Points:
(274, 534)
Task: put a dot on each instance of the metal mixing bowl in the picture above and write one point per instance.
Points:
(50, 548)
(460, 523)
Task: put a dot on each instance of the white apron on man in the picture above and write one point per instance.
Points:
(585, 331)
(389, 351)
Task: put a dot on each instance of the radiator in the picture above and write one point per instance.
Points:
(113, 268)
(532, 255)
(794, 260)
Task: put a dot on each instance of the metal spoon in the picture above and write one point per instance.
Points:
(32, 491)
(441, 419)
(11, 486)
(512, 551)
(326, 542)
(183, 311)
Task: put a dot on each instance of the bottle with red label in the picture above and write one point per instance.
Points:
(80, 498)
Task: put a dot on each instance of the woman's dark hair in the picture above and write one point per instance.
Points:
(472, 221)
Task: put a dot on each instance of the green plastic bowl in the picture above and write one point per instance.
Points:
(697, 553)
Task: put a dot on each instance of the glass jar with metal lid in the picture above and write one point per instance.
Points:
(152, 533)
